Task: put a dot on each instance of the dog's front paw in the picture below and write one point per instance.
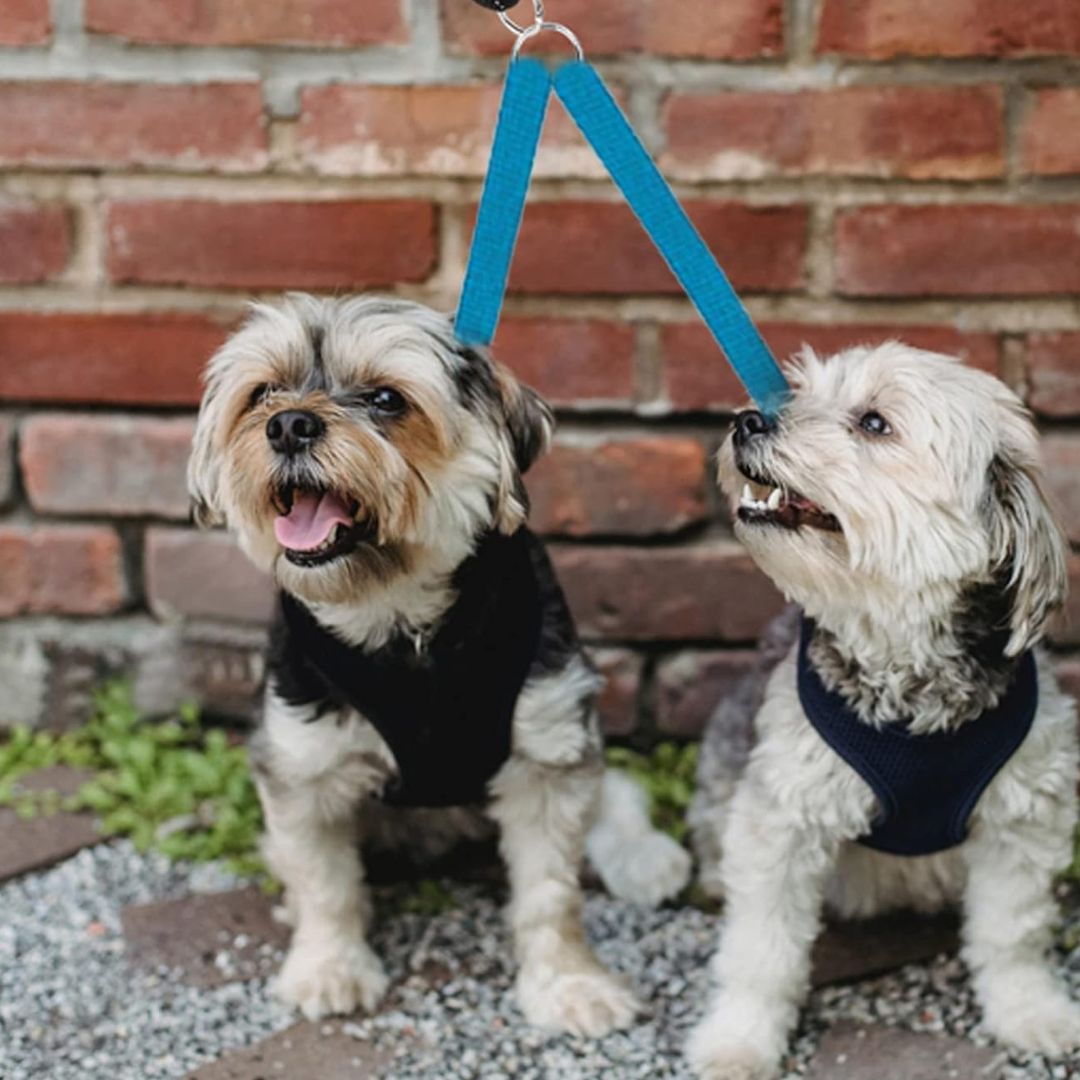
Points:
(590, 1003)
(716, 1053)
(338, 979)
(653, 869)
(1048, 1026)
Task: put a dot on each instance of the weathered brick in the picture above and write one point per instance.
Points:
(118, 466)
(191, 127)
(958, 250)
(738, 30)
(1053, 374)
(64, 570)
(577, 363)
(7, 459)
(25, 22)
(882, 29)
(1050, 143)
(437, 130)
(138, 359)
(919, 133)
(1066, 628)
(250, 245)
(621, 486)
(594, 247)
(1068, 671)
(689, 686)
(34, 241)
(1061, 452)
(226, 22)
(203, 576)
(708, 591)
(618, 702)
(699, 379)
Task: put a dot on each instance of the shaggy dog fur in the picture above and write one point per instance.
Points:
(910, 525)
(370, 415)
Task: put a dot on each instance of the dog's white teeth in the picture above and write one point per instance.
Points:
(747, 495)
(775, 499)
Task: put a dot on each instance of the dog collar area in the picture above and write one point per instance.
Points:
(926, 785)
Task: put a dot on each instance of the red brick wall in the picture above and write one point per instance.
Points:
(863, 168)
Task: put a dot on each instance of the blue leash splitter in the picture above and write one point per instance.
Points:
(606, 128)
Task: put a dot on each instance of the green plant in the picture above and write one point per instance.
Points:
(667, 774)
(172, 786)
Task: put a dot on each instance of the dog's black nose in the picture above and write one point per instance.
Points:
(750, 425)
(294, 430)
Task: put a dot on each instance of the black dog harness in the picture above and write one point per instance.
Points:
(926, 785)
(444, 710)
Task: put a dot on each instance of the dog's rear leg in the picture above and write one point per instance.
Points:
(1010, 911)
(311, 845)
(544, 812)
(635, 861)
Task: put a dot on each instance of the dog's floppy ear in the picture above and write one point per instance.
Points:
(527, 424)
(1027, 542)
(204, 466)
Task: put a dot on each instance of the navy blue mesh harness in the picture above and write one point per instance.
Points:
(926, 785)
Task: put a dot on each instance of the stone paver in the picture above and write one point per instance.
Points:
(851, 1052)
(210, 938)
(33, 843)
(319, 1051)
(858, 949)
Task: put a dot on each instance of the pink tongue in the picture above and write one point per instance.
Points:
(310, 521)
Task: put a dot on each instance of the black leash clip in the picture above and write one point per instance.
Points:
(496, 5)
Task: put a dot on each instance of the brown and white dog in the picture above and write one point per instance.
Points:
(425, 681)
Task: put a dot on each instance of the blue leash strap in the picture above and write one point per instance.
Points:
(498, 221)
(603, 124)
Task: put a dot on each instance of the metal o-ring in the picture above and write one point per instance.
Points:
(515, 28)
(558, 28)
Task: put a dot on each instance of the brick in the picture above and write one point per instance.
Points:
(576, 363)
(1061, 453)
(437, 130)
(226, 22)
(1066, 627)
(7, 459)
(25, 22)
(1068, 672)
(857, 949)
(64, 570)
(118, 125)
(203, 576)
(600, 248)
(708, 591)
(250, 245)
(879, 1052)
(881, 29)
(1049, 143)
(738, 30)
(619, 486)
(958, 250)
(689, 686)
(1053, 374)
(618, 702)
(34, 241)
(698, 379)
(119, 466)
(138, 359)
(918, 133)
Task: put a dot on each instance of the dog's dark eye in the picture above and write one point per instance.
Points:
(873, 423)
(387, 401)
(259, 394)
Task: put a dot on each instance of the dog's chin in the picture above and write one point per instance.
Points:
(767, 503)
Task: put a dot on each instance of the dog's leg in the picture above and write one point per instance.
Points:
(774, 873)
(1010, 911)
(544, 812)
(636, 862)
(312, 847)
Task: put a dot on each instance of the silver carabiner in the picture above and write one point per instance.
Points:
(539, 26)
(514, 28)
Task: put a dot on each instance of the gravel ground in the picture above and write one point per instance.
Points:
(70, 1006)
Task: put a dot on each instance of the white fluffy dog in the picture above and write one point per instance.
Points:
(897, 498)
(425, 679)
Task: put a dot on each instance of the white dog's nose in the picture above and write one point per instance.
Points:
(294, 430)
(750, 425)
